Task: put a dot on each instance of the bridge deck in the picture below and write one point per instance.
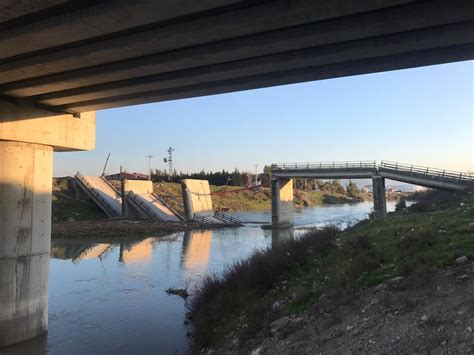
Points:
(79, 56)
(412, 174)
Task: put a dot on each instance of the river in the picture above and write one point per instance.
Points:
(108, 296)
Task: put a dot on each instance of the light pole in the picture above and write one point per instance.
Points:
(149, 166)
(256, 174)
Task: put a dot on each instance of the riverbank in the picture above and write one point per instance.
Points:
(124, 228)
(393, 284)
(72, 205)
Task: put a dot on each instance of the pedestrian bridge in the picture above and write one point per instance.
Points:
(282, 186)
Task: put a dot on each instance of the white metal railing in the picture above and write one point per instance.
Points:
(227, 218)
(143, 206)
(368, 164)
(426, 171)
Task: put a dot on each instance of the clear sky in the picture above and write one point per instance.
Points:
(421, 116)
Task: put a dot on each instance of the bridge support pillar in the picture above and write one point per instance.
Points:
(380, 201)
(28, 137)
(282, 203)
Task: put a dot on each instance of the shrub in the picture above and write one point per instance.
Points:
(401, 205)
(216, 296)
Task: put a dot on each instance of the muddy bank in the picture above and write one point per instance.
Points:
(123, 228)
(428, 312)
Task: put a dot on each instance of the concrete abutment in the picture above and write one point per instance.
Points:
(28, 138)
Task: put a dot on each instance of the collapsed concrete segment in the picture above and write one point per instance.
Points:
(28, 137)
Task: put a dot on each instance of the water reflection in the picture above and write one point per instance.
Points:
(110, 293)
(196, 250)
(137, 252)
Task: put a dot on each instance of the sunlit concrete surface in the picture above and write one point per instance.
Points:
(282, 202)
(25, 228)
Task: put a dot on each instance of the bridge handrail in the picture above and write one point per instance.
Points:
(96, 194)
(227, 218)
(179, 212)
(364, 164)
(144, 206)
(427, 171)
(202, 219)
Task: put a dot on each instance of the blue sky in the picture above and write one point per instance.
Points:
(422, 116)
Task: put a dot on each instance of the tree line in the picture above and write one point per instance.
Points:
(239, 178)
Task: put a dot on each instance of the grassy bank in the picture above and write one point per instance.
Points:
(293, 277)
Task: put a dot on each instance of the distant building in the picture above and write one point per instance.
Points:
(366, 188)
(127, 175)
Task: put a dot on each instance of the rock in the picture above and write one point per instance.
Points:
(349, 328)
(469, 329)
(396, 281)
(235, 342)
(277, 306)
(278, 324)
(424, 317)
(462, 260)
(70, 219)
(257, 351)
(381, 287)
(462, 204)
(301, 295)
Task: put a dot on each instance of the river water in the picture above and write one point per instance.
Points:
(108, 296)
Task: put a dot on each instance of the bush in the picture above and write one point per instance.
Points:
(401, 205)
(216, 296)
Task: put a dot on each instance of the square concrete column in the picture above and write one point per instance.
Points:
(25, 236)
(380, 201)
(282, 203)
(28, 137)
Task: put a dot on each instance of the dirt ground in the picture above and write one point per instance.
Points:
(122, 228)
(430, 312)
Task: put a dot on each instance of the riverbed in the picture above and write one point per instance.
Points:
(108, 296)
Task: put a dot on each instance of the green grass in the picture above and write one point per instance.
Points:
(373, 251)
(64, 206)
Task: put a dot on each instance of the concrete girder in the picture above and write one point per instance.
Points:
(84, 20)
(245, 22)
(382, 22)
(386, 45)
(371, 65)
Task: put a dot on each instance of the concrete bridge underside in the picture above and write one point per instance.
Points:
(60, 61)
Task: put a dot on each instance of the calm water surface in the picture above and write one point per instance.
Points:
(108, 296)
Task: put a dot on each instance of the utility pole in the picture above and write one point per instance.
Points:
(255, 185)
(256, 173)
(169, 160)
(149, 165)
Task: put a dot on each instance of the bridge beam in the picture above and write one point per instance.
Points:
(282, 202)
(380, 201)
(28, 137)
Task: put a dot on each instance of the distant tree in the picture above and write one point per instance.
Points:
(337, 187)
(352, 190)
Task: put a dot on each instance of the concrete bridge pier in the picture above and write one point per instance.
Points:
(380, 201)
(28, 137)
(282, 203)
